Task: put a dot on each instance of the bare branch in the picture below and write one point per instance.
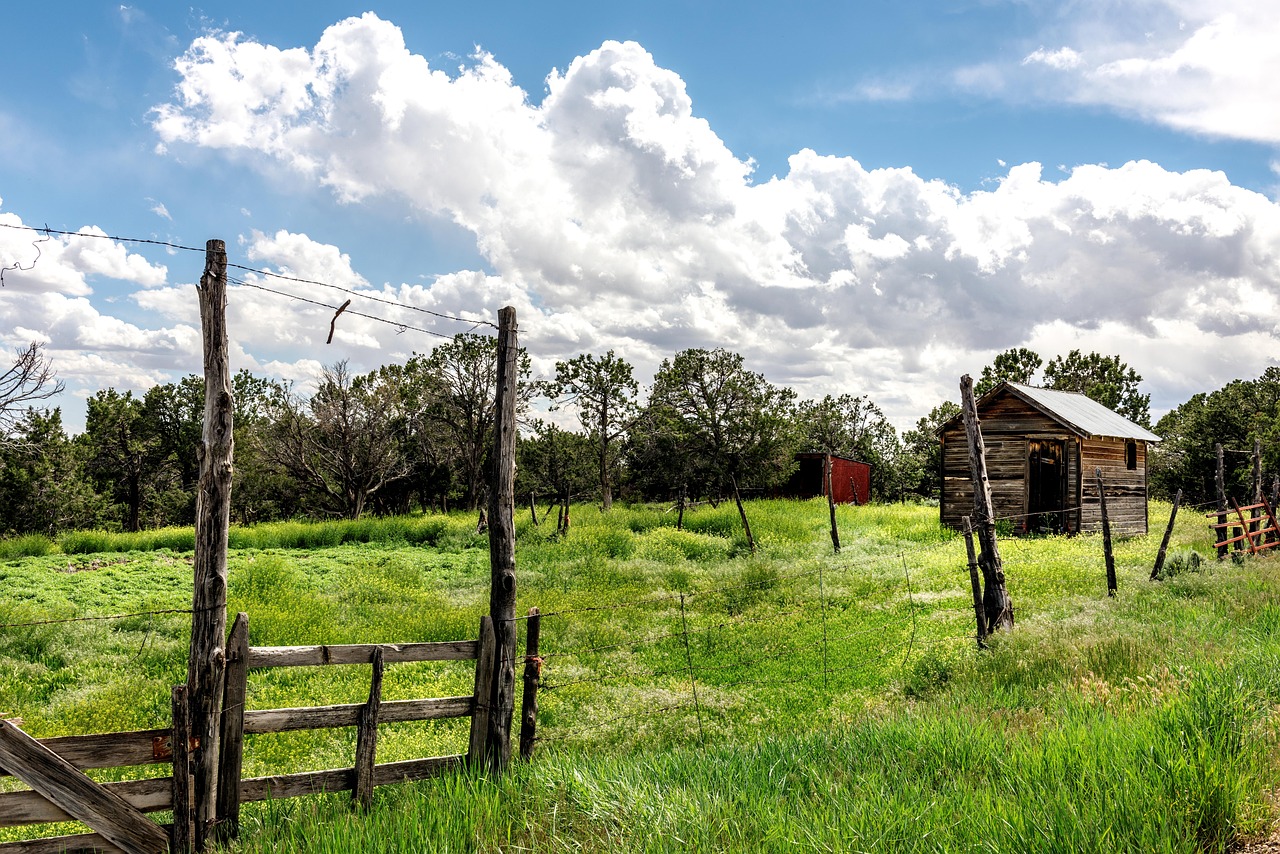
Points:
(31, 378)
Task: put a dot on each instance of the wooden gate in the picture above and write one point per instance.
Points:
(1258, 530)
(60, 791)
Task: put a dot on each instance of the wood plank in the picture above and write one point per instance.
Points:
(181, 783)
(325, 717)
(359, 653)
(111, 749)
(61, 845)
(59, 781)
(483, 688)
(28, 807)
(232, 755)
(343, 779)
(367, 737)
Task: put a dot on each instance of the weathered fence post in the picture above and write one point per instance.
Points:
(502, 545)
(180, 744)
(1220, 488)
(532, 679)
(1106, 535)
(976, 584)
(831, 507)
(367, 738)
(483, 691)
(1168, 532)
(213, 511)
(742, 513)
(1255, 514)
(999, 609)
(231, 760)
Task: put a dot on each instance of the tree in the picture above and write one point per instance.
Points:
(1105, 379)
(923, 448)
(172, 420)
(30, 378)
(856, 428)
(122, 456)
(556, 462)
(1234, 416)
(736, 419)
(604, 392)
(43, 485)
(341, 443)
(459, 383)
(1016, 365)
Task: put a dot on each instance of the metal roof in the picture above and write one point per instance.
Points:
(1083, 414)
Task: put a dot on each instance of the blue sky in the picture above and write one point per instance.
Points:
(864, 197)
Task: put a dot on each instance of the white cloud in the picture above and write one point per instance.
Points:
(1206, 68)
(1063, 58)
(611, 215)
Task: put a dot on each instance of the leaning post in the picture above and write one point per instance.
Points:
(1106, 534)
(1168, 532)
(205, 666)
(995, 596)
(502, 546)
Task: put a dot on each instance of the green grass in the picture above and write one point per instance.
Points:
(842, 703)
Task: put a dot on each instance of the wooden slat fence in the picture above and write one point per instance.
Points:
(365, 773)
(1246, 531)
(53, 767)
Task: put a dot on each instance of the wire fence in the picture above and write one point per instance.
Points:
(710, 660)
(262, 276)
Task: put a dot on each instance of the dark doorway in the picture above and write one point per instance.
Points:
(1046, 485)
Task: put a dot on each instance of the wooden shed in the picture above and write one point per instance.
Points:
(1042, 449)
(850, 479)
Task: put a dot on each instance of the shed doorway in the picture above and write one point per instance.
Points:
(1046, 484)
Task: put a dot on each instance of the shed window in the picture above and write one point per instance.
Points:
(1131, 455)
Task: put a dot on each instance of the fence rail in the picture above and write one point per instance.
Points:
(133, 798)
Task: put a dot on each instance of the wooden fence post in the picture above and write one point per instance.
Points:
(367, 738)
(213, 509)
(1220, 488)
(1106, 535)
(532, 679)
(483, 690)
(831, 508)
(1168, 532)
(974, 582)
(232, 747)
(999, 608)
(180, 743)
(502, 545)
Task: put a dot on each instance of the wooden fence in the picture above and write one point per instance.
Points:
(60, 791)
(1254, 533)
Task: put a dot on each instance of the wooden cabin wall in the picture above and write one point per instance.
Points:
(1126, 488)
(1006, 425)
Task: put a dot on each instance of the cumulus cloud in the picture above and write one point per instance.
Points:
(34, 261)
(1207, 68)
(614, 216)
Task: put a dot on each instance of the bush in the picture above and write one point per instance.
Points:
(27, 545)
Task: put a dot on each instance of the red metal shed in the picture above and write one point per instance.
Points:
(850, 479)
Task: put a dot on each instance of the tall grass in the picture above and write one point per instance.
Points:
(842, 703)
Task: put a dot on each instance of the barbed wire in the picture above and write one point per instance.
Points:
(60, 621)
(402, 327)
(50, 232)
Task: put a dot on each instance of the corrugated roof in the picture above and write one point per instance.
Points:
(1081, 413)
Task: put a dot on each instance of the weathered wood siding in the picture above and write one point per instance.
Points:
(1126, 488)
(1007, 425)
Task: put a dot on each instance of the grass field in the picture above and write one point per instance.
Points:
(841, 702)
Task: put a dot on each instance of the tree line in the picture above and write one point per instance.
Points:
(417, 436)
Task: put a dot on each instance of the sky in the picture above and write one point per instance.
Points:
(860, 197)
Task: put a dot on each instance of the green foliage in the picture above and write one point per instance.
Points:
(27, 545)
(603, 391)
(1105, 379)
(1016, 365)
(840, 706)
